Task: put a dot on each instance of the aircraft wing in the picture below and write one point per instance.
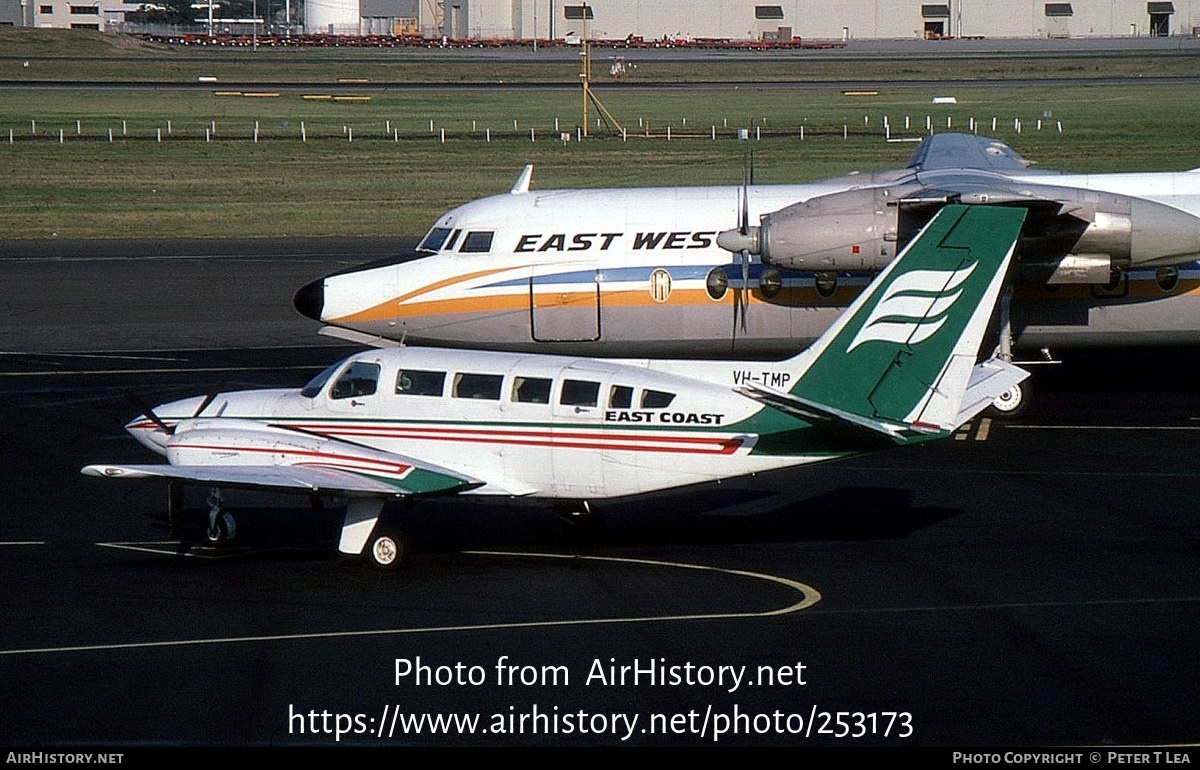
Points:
(965, 151)
(245, 453)
(309, 479)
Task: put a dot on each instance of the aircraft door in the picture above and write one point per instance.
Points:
(579, 452)
(354, 391)
(564, 303)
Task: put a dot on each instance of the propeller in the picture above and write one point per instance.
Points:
(140, 404)
(147, 410)
(739, 298)
(742, 297)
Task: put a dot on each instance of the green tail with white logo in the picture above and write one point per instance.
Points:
(902, 359)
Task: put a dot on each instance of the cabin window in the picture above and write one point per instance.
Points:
(620, 397)
(360, 379)
(579, 393)
(479, 386)
(768, 11)
(531, 390)
(477, 242)
(656, 399)
(434, 240)
(415, 382)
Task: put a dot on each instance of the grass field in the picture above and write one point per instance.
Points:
(374, 167)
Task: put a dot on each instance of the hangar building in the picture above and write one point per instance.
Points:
(691, 20)
(744, 20)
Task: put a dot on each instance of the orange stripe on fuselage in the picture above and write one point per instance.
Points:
(391, 308)
(403, 306)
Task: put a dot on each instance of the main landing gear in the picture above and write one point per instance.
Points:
(1015, 401)
(587, 524)
(388, 549)
(1012, 403)
(222, 527)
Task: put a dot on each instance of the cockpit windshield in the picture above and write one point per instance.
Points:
(313, 388)
(434, 240)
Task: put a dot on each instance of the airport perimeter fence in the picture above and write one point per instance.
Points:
(904, 129)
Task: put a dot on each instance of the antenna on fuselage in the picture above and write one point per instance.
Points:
(521, 186)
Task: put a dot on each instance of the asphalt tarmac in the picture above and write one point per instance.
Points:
(1033, 584)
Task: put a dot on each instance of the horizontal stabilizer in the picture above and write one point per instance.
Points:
(821, 415)
(988, 380)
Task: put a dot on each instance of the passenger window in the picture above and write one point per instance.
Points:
(478, 242)
(434, 240)
(481, 386)
(620, 397)
(656, 399)
(579, 393)
(531, 390)
(360, 379)
(414, 382)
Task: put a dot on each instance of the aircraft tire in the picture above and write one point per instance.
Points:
(1012, 403)
(223, 529)
(388, 550)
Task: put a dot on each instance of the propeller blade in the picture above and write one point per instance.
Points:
(208, 399)
(744, 203)
(745, 286)
(148, 411)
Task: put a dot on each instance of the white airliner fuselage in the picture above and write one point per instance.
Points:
(639, 272)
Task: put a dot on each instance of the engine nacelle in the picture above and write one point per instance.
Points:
(861, 230)
(855, 230)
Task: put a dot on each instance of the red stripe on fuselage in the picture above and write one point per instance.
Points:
(633, 442)
(379, 466)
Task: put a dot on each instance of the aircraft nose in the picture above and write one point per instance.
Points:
(310, 299)
(150, 432)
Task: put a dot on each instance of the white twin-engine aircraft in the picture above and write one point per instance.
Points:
(759, 271)
(900, 366)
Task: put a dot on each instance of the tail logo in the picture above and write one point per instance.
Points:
(913, 307)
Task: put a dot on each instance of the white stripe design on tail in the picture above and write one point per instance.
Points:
(914, 307)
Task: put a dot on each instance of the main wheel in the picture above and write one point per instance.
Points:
(223, 529)
(1012, 403)
(388, 549)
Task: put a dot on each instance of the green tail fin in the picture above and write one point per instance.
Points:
(903, 352)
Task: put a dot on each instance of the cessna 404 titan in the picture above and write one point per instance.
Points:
(899, 367)
(758, 271)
